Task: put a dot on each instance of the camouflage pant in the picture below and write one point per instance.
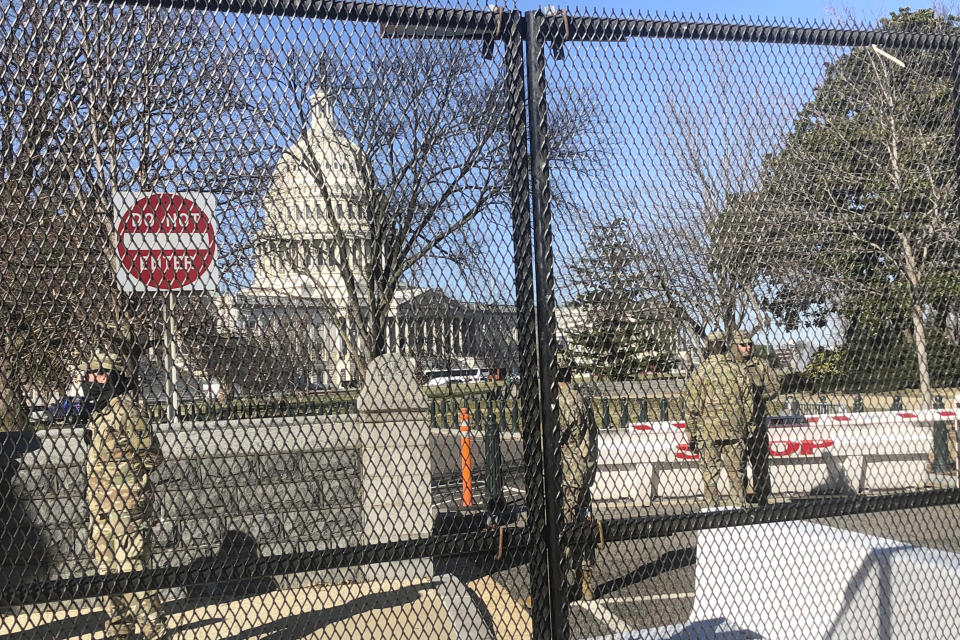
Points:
(728, 454)
(120, 542)
(758, 453)
(576, 507)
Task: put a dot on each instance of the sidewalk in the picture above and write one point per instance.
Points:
(443, 609)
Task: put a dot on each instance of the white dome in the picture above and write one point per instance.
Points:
(322, 176)
(323, 156)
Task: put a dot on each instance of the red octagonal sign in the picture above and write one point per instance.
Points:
(166, 241)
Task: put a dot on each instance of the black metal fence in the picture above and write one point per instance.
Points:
(240, 240)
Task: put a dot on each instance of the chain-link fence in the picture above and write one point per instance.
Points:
(354, 320)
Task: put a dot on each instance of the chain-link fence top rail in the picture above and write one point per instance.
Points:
(268, 310)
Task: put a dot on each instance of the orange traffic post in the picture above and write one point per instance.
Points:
(466, 461)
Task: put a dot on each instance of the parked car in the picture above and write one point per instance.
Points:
(68, 410)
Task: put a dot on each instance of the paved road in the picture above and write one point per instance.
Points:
(650, 583)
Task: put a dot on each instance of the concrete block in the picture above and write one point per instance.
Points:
(36, 482)
(400, 490)
(323, 464)
(60, 512)
(239, 470)
(275, 497)
(279, 467)
(185, 473)
(391, 385)
(390, 525)
(205, 533)
(392, 460)
(72, 480)
(821, 475)
(877, 588)
(893, 472)
(208, 502)
(341, 491)
(623, 482)
(680, 480)
(262, 527)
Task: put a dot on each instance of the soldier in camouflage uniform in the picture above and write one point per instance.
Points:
(578, 466)
(715, 401)
(764, 388)
(122, 451)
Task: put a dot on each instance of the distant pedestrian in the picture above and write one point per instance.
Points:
(578, 466)
(764, 388)
(715, 400)
(122, 451)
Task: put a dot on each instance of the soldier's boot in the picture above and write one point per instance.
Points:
(587, 585)
(121, 632)
(154, 626)
(119, 625)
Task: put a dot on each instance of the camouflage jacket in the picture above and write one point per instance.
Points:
(122, 452)
(765, 385)
(717, 400)
(578, 438)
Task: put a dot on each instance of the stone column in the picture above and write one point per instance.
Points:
(397, 505)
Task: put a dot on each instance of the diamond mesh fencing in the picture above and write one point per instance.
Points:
(755, 266)
(346, 320)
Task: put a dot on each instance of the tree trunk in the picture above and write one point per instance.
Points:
(920, 345)
(916, 316)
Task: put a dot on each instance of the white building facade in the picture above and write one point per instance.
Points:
(314, 232)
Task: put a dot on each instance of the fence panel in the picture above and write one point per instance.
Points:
(236, 243)
(751, 227)
(349, 320)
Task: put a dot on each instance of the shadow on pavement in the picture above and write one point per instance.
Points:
(304, 624)
(470, 567)
(669, 561)
(24, 547)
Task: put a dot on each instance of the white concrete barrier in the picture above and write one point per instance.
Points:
(812, 581)
(788, 580)
(828, 453)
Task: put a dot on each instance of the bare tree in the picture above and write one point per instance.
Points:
(99, 99)
(421, 128)
(707, 142)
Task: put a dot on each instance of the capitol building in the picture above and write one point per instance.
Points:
(314, 218)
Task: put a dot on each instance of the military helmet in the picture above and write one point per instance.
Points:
(107, 361)
(715, 336)
(741, 337)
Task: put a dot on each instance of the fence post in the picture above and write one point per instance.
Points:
(858, 403)
(491, 445)
(644, 415)
(897, 404)
(606, 420)
(823, 408)
(664, 409)
(624, 415)
(548, 565)
(941, 456)
(433, 413)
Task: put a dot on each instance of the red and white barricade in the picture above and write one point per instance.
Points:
(817, 454)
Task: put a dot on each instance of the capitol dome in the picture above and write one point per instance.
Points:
(321, 180)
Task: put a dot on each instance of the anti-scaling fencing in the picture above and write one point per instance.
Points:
(354, 320)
